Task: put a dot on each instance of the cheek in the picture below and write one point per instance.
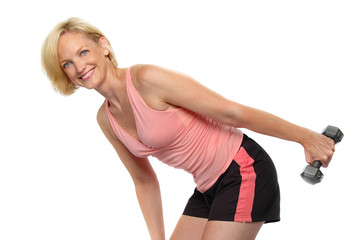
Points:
(70, 73)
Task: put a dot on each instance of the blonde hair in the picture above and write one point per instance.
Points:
(49, 52)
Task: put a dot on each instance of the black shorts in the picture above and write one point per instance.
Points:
(247, 192)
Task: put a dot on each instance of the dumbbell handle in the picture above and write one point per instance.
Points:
(335, 134)
(317, 164)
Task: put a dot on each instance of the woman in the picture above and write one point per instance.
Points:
(149, 110)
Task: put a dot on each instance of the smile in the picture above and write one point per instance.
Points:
(87, 75)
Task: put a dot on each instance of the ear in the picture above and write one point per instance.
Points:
(105, 45)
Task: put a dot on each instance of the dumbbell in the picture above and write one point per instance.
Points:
(312, 173)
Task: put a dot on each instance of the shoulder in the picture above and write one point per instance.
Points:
(151, 74)
(103, 122)
(146, 71)
(101, 115)
(147, 77)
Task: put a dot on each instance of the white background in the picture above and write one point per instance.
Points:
(300, 60)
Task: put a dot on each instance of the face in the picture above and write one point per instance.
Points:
(84, 61)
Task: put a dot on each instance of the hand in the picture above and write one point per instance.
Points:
(319, 147)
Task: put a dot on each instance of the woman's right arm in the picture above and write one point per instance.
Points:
(144, 178)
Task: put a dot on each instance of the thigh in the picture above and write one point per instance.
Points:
(220, 230)
(189, 228)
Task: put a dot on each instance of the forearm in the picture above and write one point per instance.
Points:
(316, 145)
(150, 202)
(269, 124)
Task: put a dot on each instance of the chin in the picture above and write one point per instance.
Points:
(92, 84)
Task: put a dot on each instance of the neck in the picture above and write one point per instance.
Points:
(113, 88)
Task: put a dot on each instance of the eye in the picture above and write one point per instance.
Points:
(66, 65)
(84, 52)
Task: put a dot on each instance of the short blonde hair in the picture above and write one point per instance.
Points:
(49, 52)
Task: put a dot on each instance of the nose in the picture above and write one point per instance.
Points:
(79, 66)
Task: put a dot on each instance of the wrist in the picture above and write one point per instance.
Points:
(304, 137)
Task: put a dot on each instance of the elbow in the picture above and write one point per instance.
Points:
(147, 186)
(144, 181)
(236, 116)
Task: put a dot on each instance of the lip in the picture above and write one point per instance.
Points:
(87, 75)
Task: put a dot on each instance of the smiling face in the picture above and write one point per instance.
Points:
(84, 61)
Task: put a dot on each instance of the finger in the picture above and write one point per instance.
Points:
(308, 158)
(333, 146)
(326, 159)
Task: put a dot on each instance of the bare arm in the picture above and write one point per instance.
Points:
(144, 178)
(316, 145)
(181, 90)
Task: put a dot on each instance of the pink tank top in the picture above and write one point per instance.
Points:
(180, 138)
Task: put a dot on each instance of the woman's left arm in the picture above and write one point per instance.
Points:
(180, 90)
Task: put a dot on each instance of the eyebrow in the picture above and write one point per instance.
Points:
(77, 51)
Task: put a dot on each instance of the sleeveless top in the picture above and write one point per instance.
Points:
(179, 138)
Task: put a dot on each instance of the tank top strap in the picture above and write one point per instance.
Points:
(136, 101)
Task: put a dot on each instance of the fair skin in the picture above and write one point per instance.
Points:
(86, 64)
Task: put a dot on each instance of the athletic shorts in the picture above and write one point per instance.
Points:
(247, 191)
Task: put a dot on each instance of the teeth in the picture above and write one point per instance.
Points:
(87, 75)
